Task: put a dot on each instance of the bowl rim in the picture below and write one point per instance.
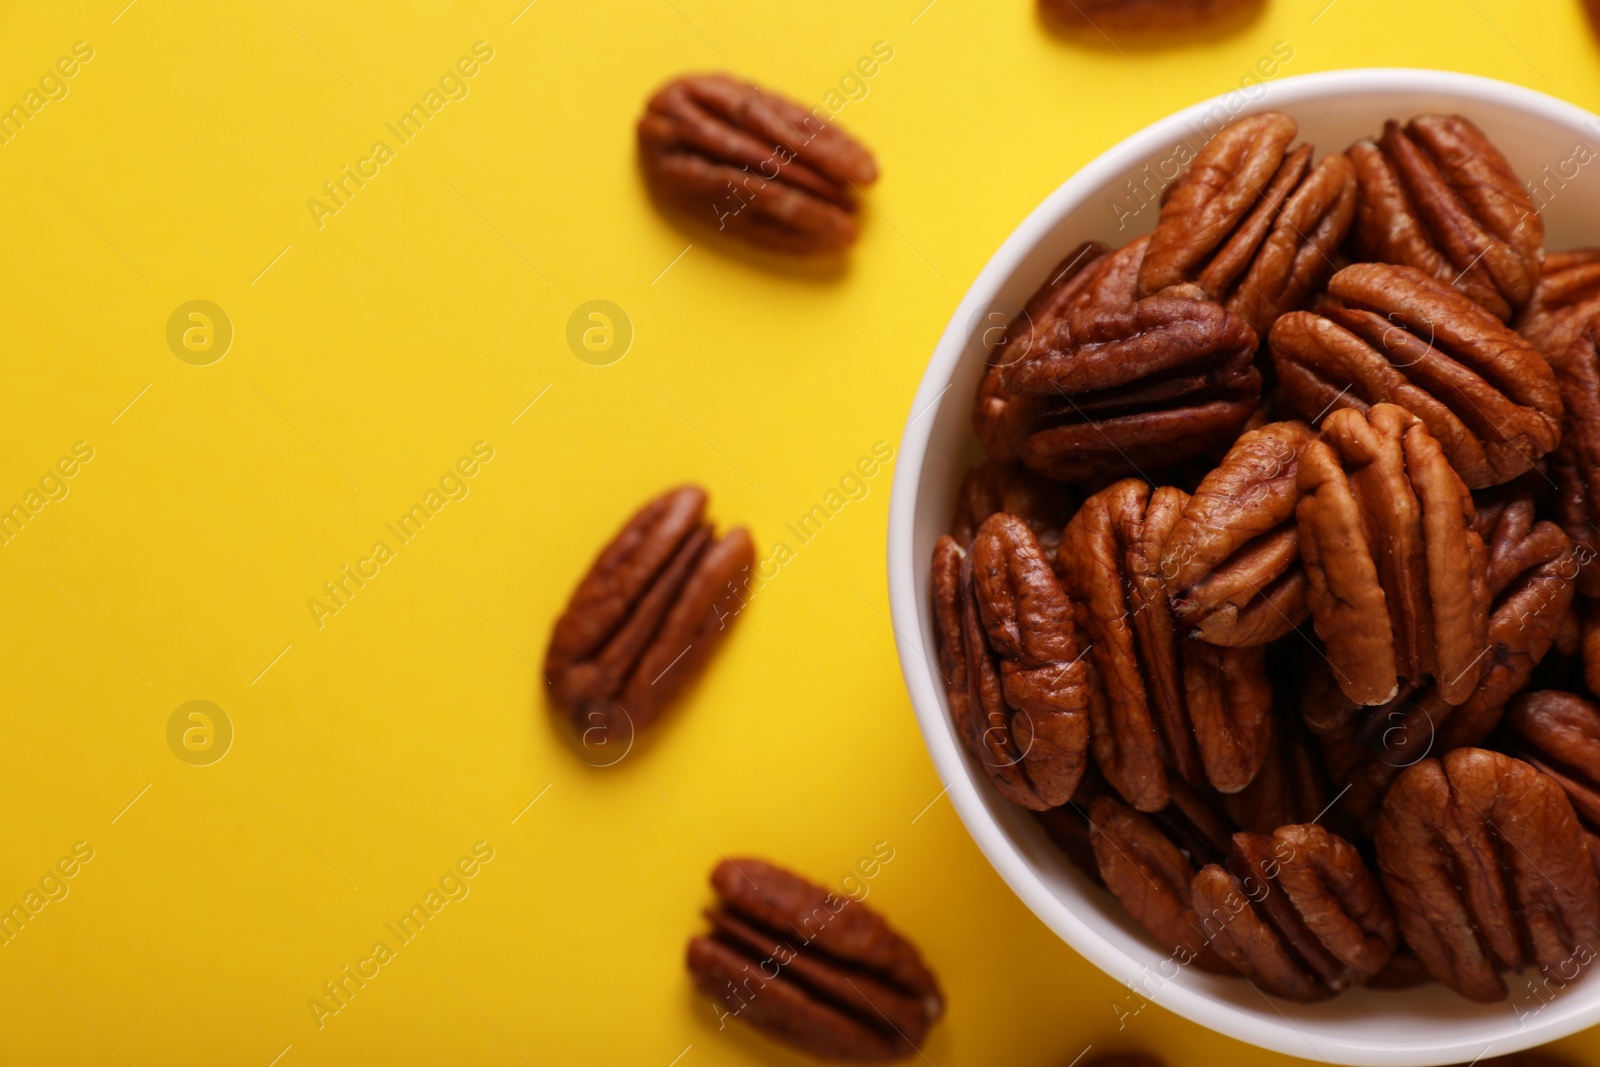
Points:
(905, 596)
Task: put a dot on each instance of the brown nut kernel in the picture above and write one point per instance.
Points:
(1232, 562)
(1487, 869)
(1252, 225)
(1027, 696)
(843, 985)
(995, 412)
(1152, 878)
(1396, 572)
(1559, 733)
(1156, 701)
(992, 487)
(1529, 574)
(1120, 384)
(1142, 19)
(645, 619)
(1438, 196)
(1398, 336)
(1564, 302)
(754, 164)
(1297, 911)
(1575, 464)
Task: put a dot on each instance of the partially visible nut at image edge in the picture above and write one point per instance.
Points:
(817, 971)
(749, 163)
(645, 619)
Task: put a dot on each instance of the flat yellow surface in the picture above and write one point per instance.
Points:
(375, 746)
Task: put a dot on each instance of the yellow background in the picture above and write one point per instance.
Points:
(420, 319)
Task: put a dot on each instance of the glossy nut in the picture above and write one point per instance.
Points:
(737, 158)
(1397, 336)
(644, 620)
(1437, 195)
(817, 971)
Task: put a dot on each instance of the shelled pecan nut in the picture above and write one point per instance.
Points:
(1564, 302)
(1121, 384)
(1395, 335)
(1487, 869)
(1140, 19)
(1396, 573)
(1529, 572)
(1559, 733)
(645, 619)
(1152, 878)
(1253, 225)
(1437, 195)
(1156, 701)
(995, 412)
(1589, 647)
(993, 487)
(748, 161)
(1292, 786)
(1297, 911)
(1575, 465)
(1232, 562)
(1026, 713)
(818, 971)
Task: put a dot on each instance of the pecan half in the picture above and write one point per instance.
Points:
(1564, 302)
(992, 487)
(1437, 195)
(1121, 384)
(1139, 19)
(1487, 869)
(820, 972)
(1396, 572)
(1559, 733)
(1156, 701)
(1529, 575)
(1232, 562)
(645, 619)
(1027, 693)
(1398, 336)
(1151, 877)
(1252, 225)
(995, 412)
(754, 164)
(1575, 465)
(1590, 648)
(1297, 911)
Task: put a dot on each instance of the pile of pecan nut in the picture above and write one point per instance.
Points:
(1273, 594)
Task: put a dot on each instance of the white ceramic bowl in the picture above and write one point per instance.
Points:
(1424, 1026)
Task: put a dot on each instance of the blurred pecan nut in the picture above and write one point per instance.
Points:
(1232, 561)
(1530, 578)
(1575, 465)
(1121, 384)
(644, 621)
(1145, 18)
(995, 412)
(1396, 572)
(1559, 733)
(1253, 225)
(820, 972)
(1156, 700)
(1397, 336)
(1589, 643)
(1438, 196)
(1487, 869)
(1025, 716)
(1564, 302)
(754, 164)
(1152, 878)
(1297, 911)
